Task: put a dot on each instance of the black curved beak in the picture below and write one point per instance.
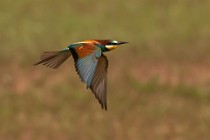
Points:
(121, 42)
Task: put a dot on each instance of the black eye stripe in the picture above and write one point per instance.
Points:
(112, 43)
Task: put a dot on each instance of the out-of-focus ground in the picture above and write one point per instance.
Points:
(158, 84)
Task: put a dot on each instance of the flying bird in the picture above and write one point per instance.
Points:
(90, 63)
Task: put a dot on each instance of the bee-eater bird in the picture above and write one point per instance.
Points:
(90, 63)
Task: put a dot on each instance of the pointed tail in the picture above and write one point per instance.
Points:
(53, 59)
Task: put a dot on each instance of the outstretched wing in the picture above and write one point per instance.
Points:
(86, 59)
(54, 59)
(91, 65)
(98, 85)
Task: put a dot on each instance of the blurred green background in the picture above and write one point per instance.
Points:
(158, 84)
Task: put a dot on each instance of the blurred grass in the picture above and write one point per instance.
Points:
(153, 93)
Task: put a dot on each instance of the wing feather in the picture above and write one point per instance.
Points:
(54, 59)
(99, 83)
(91, 66)
(86, 59)
(85, 68)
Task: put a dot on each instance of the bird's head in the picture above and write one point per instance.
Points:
(113, 44)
